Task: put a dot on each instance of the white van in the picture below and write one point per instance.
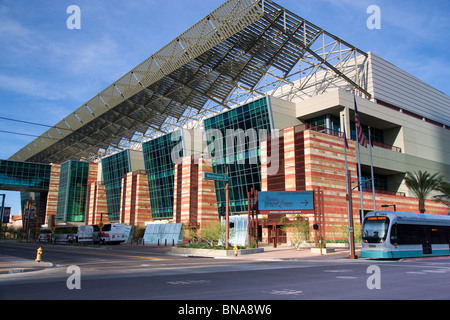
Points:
(85, 234)
(114, 233)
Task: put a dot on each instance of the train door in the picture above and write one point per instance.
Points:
(426, 244)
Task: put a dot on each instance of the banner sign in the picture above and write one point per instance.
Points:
(285, 202)
(6, 214)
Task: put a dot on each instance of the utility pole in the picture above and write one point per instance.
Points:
(2, 214)
(350, 217)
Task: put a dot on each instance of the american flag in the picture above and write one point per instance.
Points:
(359, 131)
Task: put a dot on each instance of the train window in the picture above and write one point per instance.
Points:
(410, 234)
(375, 229)
(417, 234)
(439, 235)
(394, 234)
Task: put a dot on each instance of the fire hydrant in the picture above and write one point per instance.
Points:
(39, 255)
(235, 250)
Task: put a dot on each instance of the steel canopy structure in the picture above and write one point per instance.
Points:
(242, 50)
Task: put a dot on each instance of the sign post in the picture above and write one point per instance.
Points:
(215, 176)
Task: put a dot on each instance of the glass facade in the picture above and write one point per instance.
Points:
(377, 134)
(33, 199)
(381, 181)
(240, 153)
(72, 194)
(23, 176)
(160, 172)
(114, 167)
(330, 121)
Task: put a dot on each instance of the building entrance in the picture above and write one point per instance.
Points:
(276, 234)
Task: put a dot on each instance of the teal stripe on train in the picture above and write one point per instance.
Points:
(402, 254)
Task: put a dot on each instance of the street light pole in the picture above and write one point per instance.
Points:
(389, 205)
(227, 213)
(351, 230)
(2, 213)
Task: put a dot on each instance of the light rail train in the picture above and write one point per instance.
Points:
(394, 235)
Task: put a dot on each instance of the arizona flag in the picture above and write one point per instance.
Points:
(345, 139)
(359, 131)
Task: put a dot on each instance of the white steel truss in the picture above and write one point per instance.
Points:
(243, 50)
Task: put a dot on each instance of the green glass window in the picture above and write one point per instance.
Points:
(160, 172)
(72, 195)
(113, 168)
(239, 155)
(24, 176)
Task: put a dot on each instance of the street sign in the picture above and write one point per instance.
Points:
(101, 225)
(215, 176)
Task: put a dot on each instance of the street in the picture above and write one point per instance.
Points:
(148, 273)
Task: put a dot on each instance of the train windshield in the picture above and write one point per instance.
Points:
(375, 229)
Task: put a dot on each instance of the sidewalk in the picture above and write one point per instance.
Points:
(11, 265)
(284, 252)
(281, 253)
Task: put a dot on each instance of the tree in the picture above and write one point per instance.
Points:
(298, 230)
(444, 193)
(422, 184)
(210, 232)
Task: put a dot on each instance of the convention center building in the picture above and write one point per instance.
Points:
(252, 92)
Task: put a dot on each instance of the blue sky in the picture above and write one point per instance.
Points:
(47, 71)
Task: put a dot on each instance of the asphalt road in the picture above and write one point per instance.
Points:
(132, 273)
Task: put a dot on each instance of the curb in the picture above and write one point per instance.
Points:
(12, 265)
(23, 270)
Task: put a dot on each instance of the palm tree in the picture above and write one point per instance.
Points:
(444, 193)
(422, 184)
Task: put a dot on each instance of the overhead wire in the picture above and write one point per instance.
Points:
(31, 123)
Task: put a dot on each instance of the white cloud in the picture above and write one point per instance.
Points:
(29, 87)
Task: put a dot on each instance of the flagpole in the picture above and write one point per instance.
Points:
(360, 180)
(371, 168)
(351, 238)
(359, 159)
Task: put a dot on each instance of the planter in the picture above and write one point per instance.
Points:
(213, 253)
(324, 250)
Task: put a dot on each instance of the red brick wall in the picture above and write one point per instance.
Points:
(97, 204)
(194, 197)
(316, 160)
(52, 198)
(135, 207)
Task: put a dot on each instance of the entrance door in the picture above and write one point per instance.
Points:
(280, 235)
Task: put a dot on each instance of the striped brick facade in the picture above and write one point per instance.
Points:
(52, 198)
(97, 209)
(316, 160)
(194, 197)
(135, 199)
